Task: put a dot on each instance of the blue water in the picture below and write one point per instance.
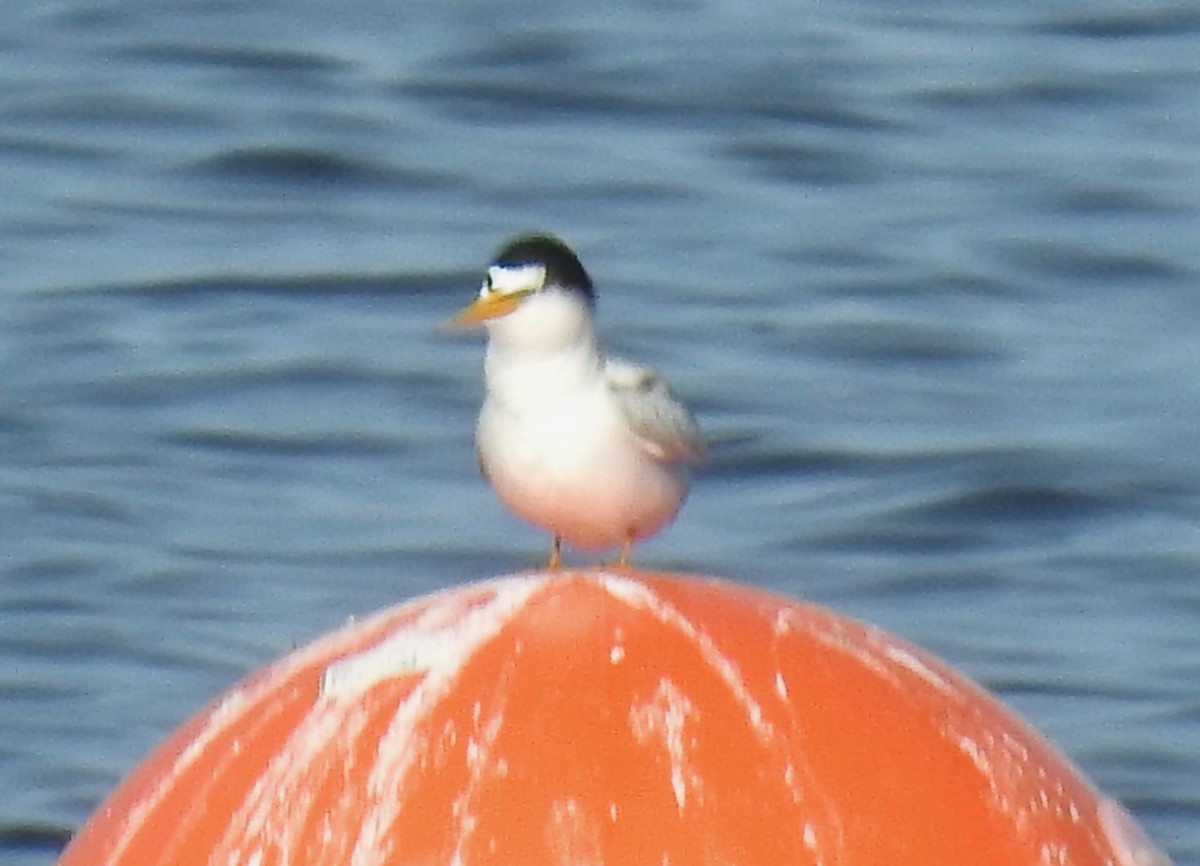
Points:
(927, 272)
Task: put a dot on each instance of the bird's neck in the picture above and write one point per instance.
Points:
(520, 375)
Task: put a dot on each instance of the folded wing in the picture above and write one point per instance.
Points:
(661, 424)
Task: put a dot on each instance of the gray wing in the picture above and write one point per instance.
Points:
(662, 425)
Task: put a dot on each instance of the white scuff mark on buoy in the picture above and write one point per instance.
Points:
(284, 787)
(472, 625)
(479, 749)
(616, 654)
(977, 754)
(231, 707)
(798, 778)
(662, 719)
(640, 597)
(1053, 854)
(1128, 842)
(781, 688)
(1002, 768)
(913, 663)
(873, 648)
(573, 834)
(262, 701)
(861, 645)
(435, 639)
(481, 761)
(1020, 787)
(809, 836)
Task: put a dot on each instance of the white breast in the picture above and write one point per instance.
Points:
(559, 453)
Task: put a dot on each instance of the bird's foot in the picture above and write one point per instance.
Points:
(626, 550)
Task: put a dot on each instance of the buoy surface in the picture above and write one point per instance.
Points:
(608, 718)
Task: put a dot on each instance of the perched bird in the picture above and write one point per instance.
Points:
(592, 449)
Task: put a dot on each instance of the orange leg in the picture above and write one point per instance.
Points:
(626, 549)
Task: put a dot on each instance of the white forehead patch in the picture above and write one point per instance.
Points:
(509, 279)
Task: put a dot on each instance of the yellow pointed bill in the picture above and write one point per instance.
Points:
(482, 309)
(490, 306)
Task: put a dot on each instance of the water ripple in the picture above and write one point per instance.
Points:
(294, 164)
(256, 59)
(1149, 23)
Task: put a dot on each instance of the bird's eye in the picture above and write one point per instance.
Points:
(487, 288)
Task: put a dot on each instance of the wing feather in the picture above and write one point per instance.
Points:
(662, 425)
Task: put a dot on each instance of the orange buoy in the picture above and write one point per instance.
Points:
(607, 718)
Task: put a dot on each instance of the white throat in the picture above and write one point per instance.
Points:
(519, 377)
(543, 350)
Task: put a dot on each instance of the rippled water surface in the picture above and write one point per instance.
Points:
(927, 273)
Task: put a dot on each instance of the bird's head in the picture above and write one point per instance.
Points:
(536, 294)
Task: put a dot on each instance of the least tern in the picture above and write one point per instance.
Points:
(594, 450)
